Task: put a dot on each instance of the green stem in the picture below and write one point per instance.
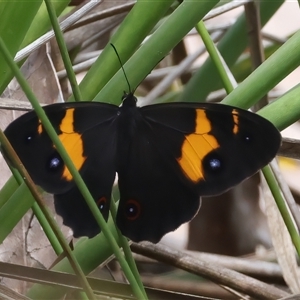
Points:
(63, 50)
(31, 186)
(47, 228)
(130, 34)
(40, 216)
(127, 251)
(77, 178)
(270, 178)
(231, 46)
(215, 56)
(267, 75)
(171, 32)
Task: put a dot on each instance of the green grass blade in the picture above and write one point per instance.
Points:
(215, 56)
(88, 252)
(126, 248)
(78, 180)
(273, 112)
(9, 215)
(7, 190)
(285, 110)
(63, 50)
(267, 75)
(171, 32)
(135, 27)
(41, 23)
(47, 228)
(284, 211)
(231, 47)
(12, 16)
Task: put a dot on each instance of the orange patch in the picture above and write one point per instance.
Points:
(72, 142)
(235, 115)
(196, 146)
(40, 127)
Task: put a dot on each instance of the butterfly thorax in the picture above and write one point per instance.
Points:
(129, 122)
(129, 100)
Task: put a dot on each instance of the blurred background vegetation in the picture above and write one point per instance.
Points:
(237, 247)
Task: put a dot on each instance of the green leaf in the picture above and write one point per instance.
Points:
(231, 47)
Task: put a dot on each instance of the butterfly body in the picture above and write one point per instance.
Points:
(166, 157)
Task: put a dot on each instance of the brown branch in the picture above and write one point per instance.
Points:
(9, 294)
(255, 42)
(217, 274)
(290, 148)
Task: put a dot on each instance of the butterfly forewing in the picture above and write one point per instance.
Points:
(223, 146)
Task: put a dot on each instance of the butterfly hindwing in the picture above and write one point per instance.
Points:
(72, 207)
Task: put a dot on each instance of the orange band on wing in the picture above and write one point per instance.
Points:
(235, 115)
(196, 146)
(40, 127)
(72, 142)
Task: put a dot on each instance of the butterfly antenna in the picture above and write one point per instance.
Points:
(119, 58)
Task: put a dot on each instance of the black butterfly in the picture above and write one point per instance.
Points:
(166, 157)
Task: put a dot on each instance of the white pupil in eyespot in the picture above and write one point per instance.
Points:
(215, 163)
(54, 163)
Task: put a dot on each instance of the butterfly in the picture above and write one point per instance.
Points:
(166, 156)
